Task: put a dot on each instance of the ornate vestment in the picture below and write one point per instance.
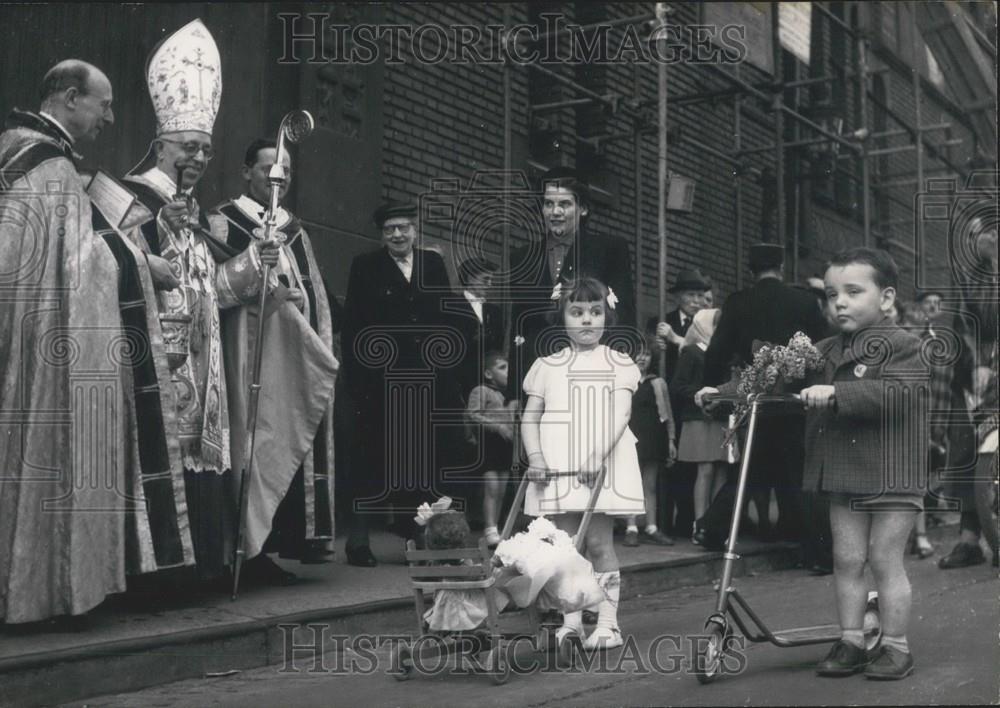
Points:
(62, 482)
(294, 445)
(212, 277)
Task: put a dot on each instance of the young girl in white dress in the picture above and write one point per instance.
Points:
(575, 420)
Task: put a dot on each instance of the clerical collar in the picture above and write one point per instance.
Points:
(58, 126)
(162, 181)
(256, 211)
(47, 126)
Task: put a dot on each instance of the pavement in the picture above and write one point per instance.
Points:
(953, 635)
(135, 640)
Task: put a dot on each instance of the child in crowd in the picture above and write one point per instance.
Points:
(575, 423)
(652, 423)
(702, 436)
(868, 453)
(490, 426)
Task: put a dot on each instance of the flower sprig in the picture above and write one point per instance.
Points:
(771, 366)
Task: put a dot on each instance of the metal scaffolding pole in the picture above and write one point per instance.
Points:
(611, 101)
(913, 131)
(634, 19)
(797, 191)
(639, 196)
(866, 207)
(779, 133)
(918, 223)
(749, 88)
(661, 213)
(737, 139)
(507, 167)
(917, 96)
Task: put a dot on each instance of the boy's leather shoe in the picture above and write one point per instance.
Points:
(962, 556)
(844, 659)
(889, 664)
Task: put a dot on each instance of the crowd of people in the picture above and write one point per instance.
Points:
(436, 392)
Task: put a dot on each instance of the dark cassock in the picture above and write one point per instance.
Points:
(62, 495)
(158, 534)
(591, 254)
(291, 512)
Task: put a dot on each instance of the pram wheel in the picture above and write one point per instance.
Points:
(498, 663)
(872, 623)
(708, 661)
(401, 667)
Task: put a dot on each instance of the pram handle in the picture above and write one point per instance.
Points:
(522, 489)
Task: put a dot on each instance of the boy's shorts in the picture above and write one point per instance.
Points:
(887, 501)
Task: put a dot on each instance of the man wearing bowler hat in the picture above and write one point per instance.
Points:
(689, 291)
(676, 490)
(396, 357)
(770, 312)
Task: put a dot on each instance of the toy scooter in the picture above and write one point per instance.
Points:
(730, 603)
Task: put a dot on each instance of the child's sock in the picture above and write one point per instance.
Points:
(632, 528)
(899, 643)
(651, 529)
(606, 634)
(572, 622)
(855, 637)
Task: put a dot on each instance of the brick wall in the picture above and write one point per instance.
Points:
(446, 121)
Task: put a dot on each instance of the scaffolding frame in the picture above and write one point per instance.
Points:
(857, 143)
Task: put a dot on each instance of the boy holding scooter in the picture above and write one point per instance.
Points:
(866, 450)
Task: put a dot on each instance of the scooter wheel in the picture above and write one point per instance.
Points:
(402, 664)
(498, 663)
(872, 622)
(708, 660)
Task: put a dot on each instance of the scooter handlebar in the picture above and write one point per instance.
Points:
(759, 397)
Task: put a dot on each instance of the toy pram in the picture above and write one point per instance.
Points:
(476, 570)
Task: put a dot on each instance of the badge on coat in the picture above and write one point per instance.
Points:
(859, 370)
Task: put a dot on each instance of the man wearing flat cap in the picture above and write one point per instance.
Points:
(567, 251)
(400, 347)
(770, 312)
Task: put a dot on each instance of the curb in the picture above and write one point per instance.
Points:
(126, 665)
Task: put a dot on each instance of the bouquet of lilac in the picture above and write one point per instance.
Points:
(773, 367)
